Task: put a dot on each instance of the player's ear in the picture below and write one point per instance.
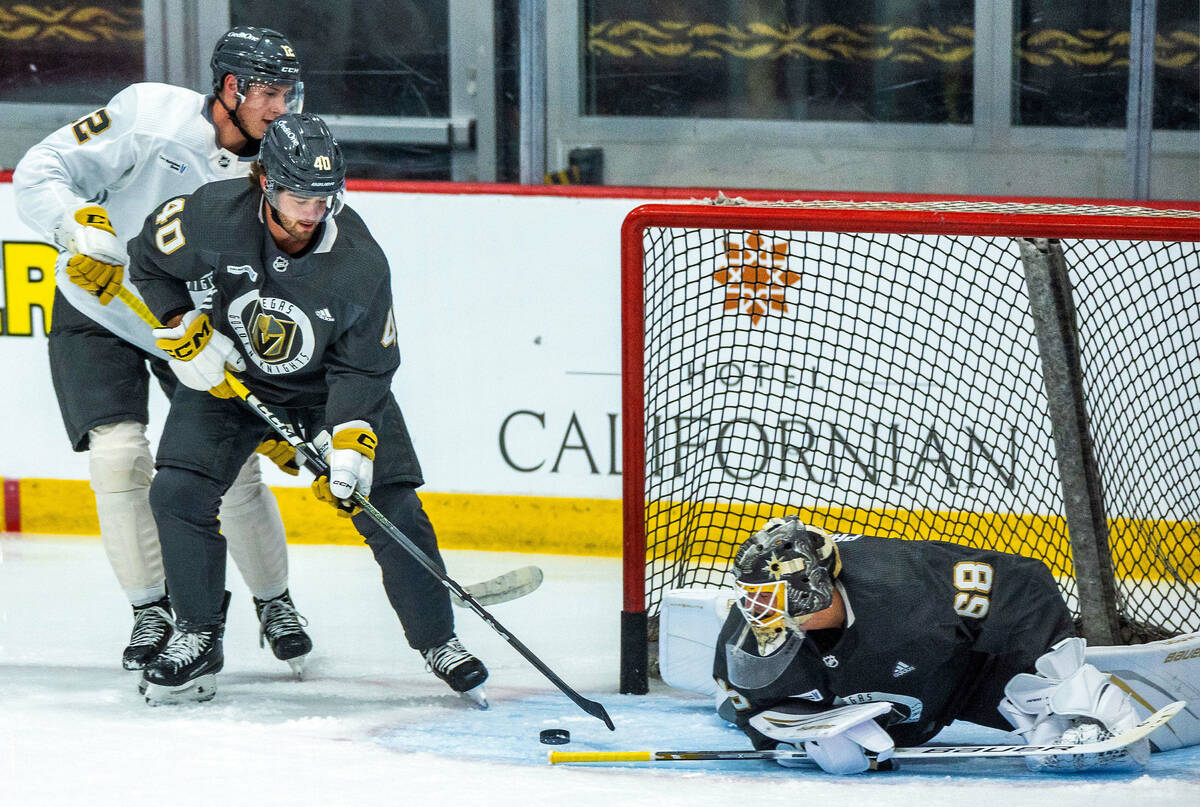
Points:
(229, 85)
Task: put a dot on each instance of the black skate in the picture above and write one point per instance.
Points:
(186, 669)
(151, 630)
(457, 667)
(280, 624)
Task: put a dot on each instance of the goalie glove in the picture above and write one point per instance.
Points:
(350, 453)
(1069, 701)
(199, 354)
(281, 453)
(836, 739)
(97, 262)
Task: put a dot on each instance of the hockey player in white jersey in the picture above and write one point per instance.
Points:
(88, 186)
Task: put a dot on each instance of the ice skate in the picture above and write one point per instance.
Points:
(283, 627)
(185, 671)
(465, 674)
(151, 630)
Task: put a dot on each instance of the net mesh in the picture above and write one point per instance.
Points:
(890, 384)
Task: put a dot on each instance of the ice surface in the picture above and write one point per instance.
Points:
(370, 726)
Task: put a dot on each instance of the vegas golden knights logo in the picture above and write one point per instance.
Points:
(273, 337)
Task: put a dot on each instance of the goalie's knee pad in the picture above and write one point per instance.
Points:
(119, 458)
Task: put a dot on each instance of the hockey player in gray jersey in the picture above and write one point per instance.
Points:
(940, 631)
(302, 308)
(89, 186)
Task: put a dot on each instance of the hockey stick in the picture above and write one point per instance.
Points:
(316, 464)
(1113, 743)
(502, 588)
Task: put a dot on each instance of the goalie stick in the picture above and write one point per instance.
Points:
(1113, 743)
(312, 459)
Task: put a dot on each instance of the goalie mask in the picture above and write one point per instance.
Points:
(304, 168)
(785, 574)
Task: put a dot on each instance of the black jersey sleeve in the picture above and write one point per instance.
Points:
(1012, 609)
(163, 257)
(360, 364)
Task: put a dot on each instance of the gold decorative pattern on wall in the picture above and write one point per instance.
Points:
(82, 24)
(626, 39)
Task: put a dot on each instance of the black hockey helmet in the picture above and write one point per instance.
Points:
(299, 154)
(785, 573)
(259, 55)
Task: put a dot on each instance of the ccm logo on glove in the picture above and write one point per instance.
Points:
(192, 341)
(98, 259)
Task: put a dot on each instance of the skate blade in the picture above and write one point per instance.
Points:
(477, 697)
(198, 690)
(297, 665)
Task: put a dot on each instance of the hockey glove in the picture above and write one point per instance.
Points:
(1069, 701)
(97, 262)
(350, 453)
(199, 354)
(840, 737)
(281, 453)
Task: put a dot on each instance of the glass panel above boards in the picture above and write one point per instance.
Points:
(896, 61)
(70, 53)
(364, 57)
(1071, 63)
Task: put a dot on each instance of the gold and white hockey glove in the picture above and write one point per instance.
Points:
(281, 453)
(199, 354)
(350, 453)
(97, 262)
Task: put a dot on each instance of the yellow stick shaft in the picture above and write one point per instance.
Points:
(599, 756)
(139, 308)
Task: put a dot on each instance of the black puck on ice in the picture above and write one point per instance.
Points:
(555, 736)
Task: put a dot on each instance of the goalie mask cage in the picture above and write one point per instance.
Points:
(1021, 377)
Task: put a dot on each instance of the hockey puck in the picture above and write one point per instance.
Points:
(555, 736)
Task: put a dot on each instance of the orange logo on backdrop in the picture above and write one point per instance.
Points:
(755, 277)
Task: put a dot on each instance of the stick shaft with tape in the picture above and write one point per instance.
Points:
(312, 459)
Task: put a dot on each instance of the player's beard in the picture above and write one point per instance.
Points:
(296, 230)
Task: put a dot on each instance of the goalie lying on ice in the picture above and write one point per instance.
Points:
(942, 632)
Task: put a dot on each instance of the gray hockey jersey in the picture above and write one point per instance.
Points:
(315, 330)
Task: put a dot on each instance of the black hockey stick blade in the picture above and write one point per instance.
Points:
(593, 708)
(309, 457)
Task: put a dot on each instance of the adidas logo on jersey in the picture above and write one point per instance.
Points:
(324, 313)
(901, 669)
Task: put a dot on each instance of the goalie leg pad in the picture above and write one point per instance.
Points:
(121, 469)
(1155, 674)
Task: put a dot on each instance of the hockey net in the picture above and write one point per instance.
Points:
(875, 368)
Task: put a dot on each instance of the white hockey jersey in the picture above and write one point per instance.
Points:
(151, 143)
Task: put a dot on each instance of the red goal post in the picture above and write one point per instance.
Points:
(897, 367)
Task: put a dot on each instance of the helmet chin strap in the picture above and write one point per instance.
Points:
(233, 116)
